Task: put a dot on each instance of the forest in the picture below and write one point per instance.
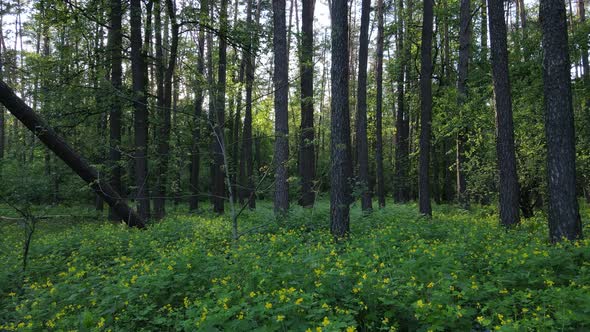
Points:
(294, 165)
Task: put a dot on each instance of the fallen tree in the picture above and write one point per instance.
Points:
(64, 151)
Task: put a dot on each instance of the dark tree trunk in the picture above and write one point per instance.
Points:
(281, 83)
(219, 136)
(564, 216)
(402, 125)
(464, 47)
(362, 145)
(509, 191)
(247, 160)
(66, 153)
(484, 31)
(379, 107)
(307, 144)
(138, 74)
(426, 108)
(195, 153)
(165, 114)
(114, 48)
(340, 155)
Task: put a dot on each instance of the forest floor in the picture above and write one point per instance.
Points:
(459, 271)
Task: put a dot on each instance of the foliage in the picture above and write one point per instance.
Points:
(459, 271)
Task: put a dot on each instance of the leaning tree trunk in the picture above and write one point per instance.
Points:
(281, 202)
(362, 144)
(340, 155)
(564, 216)
(426, 108)
(64, 151)
(509, 190)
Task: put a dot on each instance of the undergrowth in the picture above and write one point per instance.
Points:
(459, 271)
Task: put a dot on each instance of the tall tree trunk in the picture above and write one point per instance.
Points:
(138, 74)
(509, 190)
(247, 161)
(219, 136)
(402, 126)
(114, 48)
(426, 108)
(464, 47)
(484, 31)
(281, 83)
(564, 216)
(165, 115)
(379, 107)
(195, 153)
(340, 155)
(307, 144)
(362, 144)
(66, 153)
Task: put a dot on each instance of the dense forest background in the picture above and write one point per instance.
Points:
(149, 116)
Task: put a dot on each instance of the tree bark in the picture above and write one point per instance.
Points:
(362, 144)
(138, 73)
(340, 155)
(584, 46)
(464, 48)
(379, 107)
(66, 153)
(508, 186)
(402, 125)
(195, 153)
(114, 47)
(219, 135)
(564, 216)
(307, 144)
(281, 84)
(426, 108)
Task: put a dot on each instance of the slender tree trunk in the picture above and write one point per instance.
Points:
(379, 107)
(564, 216)
(219, 136)
(340, 155)
(584, 46)
(426, 108)
(402, 160)
(66, 153)
(114, 48)
(509, 190)
(281, 83)
(165, 116)
(195, 153)
(307, 144)
(484, 31)
(464, 47)
(138, 74)
(362, 145)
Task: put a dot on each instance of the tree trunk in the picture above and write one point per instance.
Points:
(509, 190)
(564, 216)
(379, 106)
(340, 155)
(281, 83)
(426, 108)
(464, 47)
(402, 126)
(219, 135)
(584, 46)
(138, 73)
(307, 144)
(195, 153)
(61, 148)
(362, 145)
(165, 114)
(114, 48)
